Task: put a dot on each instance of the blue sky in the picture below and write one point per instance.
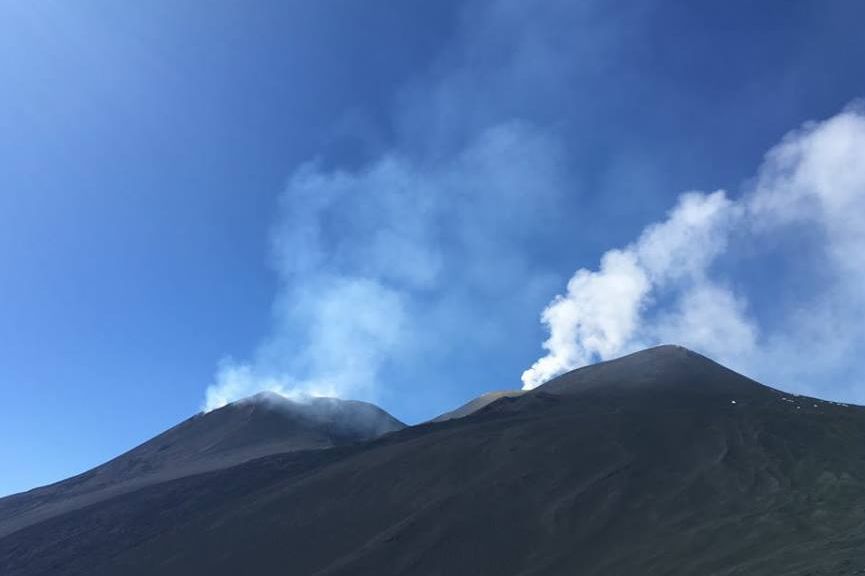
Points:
(379, 200)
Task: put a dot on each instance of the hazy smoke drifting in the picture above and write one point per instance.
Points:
(350, 325)
(390, 262)
(439, 247)
(666, 287)
(361, 260)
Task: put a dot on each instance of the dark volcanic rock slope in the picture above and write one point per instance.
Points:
(251, 428)
(662, 462)
(476, 404)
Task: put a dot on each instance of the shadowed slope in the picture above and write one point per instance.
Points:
(664, 369)
(263, 424)
(476, 404)
(637, 466)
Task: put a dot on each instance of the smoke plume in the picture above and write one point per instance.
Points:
(668, 285)
(362, 267)
(433, 254)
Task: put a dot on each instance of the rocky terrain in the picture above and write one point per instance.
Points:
(661, 462)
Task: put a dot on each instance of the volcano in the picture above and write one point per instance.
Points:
(266, 423)
(661, 462)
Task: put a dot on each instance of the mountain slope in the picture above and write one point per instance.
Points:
(251, 428)
(476, 404)
(643, 465)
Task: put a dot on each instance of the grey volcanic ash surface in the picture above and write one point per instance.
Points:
(263, 424)
(476, 404)
(662, 462)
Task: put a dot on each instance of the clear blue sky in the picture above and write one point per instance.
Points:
(374, 198)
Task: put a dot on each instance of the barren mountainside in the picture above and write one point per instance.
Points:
(661, 462)
(254, 427)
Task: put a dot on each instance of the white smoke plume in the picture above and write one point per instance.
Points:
(431, 235)
(439, 247)
(351, 324)
(360, 258)
(666, 286)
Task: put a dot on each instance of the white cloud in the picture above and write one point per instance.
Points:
(816, 177)
(812, 185)
(438, 236)
(685, 244)
(375, 264)
(602, 313)
(351, 326)
(446, 221)
(708, 317)
(597, 316)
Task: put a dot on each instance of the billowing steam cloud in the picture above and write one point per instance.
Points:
(439, 251)
(360, 259)
(350, 324)
(387, 263)
(601, 313)
(668, 285)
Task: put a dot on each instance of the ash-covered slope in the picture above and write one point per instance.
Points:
(668, 370)
(476, 404)
(263, 424)
(642, 465)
